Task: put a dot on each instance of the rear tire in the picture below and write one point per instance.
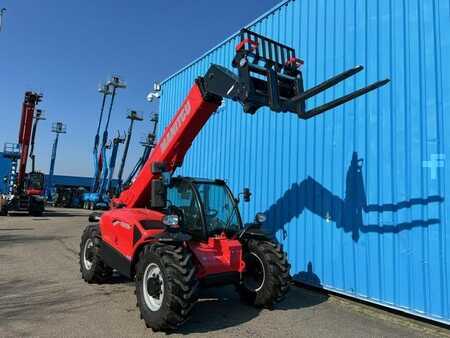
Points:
(92, 267)
(35, 213)
(166, 286)
(3, 211)
(266, 279)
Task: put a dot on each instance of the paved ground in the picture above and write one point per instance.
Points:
(42, 294)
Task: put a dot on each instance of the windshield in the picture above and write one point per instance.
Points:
(218, 205)
(35, 181)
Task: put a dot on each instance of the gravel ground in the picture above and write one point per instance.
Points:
(42, 294)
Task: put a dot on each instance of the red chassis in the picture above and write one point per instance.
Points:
(124, 231)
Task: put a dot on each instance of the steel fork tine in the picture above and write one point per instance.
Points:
(332, 104)
(327, 84)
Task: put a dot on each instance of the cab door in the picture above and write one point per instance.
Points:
(183, 201)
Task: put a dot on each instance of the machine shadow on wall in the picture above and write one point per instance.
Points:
(347, 212)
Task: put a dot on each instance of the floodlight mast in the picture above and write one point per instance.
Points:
(57, 128)
(148, 142)
(106, 186)
(155, 93)
(132, 116)
(2, 13)
(105, 90)
(113, 84)
(38, 115)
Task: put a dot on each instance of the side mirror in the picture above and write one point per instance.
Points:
(166, 178)
(246, 193)
(260, 218)
(158, 167)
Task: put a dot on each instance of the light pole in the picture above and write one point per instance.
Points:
(113, 84)
(132, 116)
(155, 93)
(148, 143)
(105, 91)
(57, 128)
(39, 115)
(2, 12)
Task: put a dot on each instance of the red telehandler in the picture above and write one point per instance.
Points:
(27, 192)
(176, 234)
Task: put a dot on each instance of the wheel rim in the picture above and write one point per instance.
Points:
(254, 276)
(88, 254)
(153, 286)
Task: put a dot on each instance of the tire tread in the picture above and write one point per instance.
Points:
(181, 285)
(100, 271)
(277, 278)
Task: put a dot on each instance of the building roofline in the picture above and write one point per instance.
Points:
(270, 11)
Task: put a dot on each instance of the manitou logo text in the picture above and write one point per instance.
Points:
(184, 112)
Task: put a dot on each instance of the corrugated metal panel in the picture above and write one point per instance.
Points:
(5, 165)
(74, 181)
(70, 181)
(357, 196)
(58, 180)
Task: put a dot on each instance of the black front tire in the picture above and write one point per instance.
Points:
(272, 282)
(3, 207)
(97, 271)
(3, 211)
(177, 276)
(36, 208)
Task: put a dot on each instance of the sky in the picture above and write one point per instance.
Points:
(65, 49)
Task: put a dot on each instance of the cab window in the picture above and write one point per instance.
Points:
(181, 200)
(220, 213)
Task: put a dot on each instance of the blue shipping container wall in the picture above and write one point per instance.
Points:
(358, 195)
(58, 180)
(5, 167)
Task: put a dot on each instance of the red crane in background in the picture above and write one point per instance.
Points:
(26, 195)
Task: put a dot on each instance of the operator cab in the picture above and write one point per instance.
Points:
(34, 183)
(205, 208)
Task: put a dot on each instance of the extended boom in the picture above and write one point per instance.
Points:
(269, 75)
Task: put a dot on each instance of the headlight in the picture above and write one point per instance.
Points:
(170, 220)
(260, 217)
